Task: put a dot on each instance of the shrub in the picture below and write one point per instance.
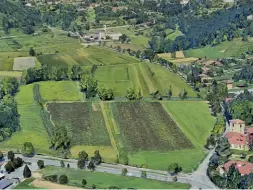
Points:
(250, 159)
(1, 155)
(143, 174)
(40, 164)
(28, 149)
(62, 164)
(175, 178)
(174, 168)
(9, 167)
(18, 162)
(52, 178)
(124, 172)
(63, 179)
(10, 155)
(84, 182)
(27, 172)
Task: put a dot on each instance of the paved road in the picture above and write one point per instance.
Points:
(197, 179)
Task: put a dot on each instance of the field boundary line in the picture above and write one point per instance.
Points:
(107, 124)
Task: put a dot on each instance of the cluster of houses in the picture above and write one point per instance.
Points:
(240, 137)
(100, 35)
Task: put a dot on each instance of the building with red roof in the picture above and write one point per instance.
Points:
(243, 167)
(237, 141)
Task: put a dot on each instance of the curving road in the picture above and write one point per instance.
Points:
(197, 179)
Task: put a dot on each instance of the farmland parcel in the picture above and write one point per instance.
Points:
(22, 63)
(85, 125)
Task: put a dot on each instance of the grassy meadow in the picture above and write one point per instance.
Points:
(60, 91)
(104, 181)
(147, 76)
(226, 49)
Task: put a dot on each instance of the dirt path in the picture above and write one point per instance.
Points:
(50, 185)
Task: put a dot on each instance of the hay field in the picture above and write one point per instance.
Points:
(23, 63)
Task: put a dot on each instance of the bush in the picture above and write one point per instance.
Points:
(124, 172)
(52, 178)
(84, 182)
(40, 164)
(175, 178)
(18, 162)
(62, 164)
(1, 155)
(27, 172)
(9, 167)
(250, 159)
(143, 174)
(28, 149)
(10, 155)
(174, 168)
(63, 179)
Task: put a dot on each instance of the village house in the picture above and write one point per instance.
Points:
(243, 167)
(240, 137)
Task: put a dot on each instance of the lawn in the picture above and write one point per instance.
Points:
(60, 91)
(26, 184)
(32, 128)
(104, 181)
(226, 49)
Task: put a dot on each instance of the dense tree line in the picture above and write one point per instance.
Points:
(9, 117)
(246, 73)
(199, 31)
(241, 107)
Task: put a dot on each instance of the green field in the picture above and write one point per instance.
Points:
(174, 34)
(226, 49)
(148, 135)
(15, 74)
(32, 128)
(60, 91)
(147, 76)
(92, 55)
(104, 181)
(163, 79)
(154, 130)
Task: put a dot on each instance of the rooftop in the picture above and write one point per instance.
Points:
(243, 167)
(250, 130)
(236, 138)
(236, 121)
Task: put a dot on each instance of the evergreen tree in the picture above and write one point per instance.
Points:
(27, 172)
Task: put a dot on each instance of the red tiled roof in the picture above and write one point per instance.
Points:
(250, 130)
(243, 167)
(228, 99)
(236, 121)
(236, 138)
